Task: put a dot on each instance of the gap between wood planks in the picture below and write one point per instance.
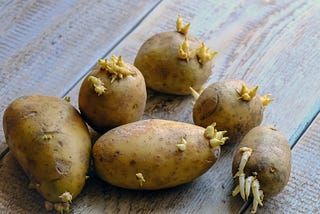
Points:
(113, 46)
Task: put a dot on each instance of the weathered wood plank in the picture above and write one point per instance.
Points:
(301, 195)
(264, 42)
(46, 46)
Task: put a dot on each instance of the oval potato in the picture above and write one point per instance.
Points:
(51, 142)
(122, 102)
(270, 159)
(145, 155)
(221, 103)
(162, 69)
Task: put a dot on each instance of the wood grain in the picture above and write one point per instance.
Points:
(266, 43)
(301, 195)
(47, 46)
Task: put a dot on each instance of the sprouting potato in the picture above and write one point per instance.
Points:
(155, 154)
(52, 144)
(262, 164)
(171, 62)
(233, 105)
(113, 94)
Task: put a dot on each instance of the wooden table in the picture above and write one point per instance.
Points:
(47, 47)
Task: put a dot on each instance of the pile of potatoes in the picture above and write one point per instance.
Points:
(51, 141)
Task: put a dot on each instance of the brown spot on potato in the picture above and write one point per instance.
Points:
(62, 167)
(116, 154)
(132, 162)
(60, 143)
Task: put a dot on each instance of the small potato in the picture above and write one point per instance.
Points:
(233, 105)
(171, 62)
(113, 94)
(52, 144)
(262, 163)
(155, 154)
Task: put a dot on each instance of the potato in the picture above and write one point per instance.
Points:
(262, 163)
(113, 94)
(233, 105)
(52, 144)
(155, 154)
(171, 62)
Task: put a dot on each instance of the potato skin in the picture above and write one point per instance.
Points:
(149, 147)
(271, 158)
(51, 142)
(221, 103)
(123, 102)
(163, 71)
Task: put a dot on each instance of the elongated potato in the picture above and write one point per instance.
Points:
(52, 144)
(155, 154)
